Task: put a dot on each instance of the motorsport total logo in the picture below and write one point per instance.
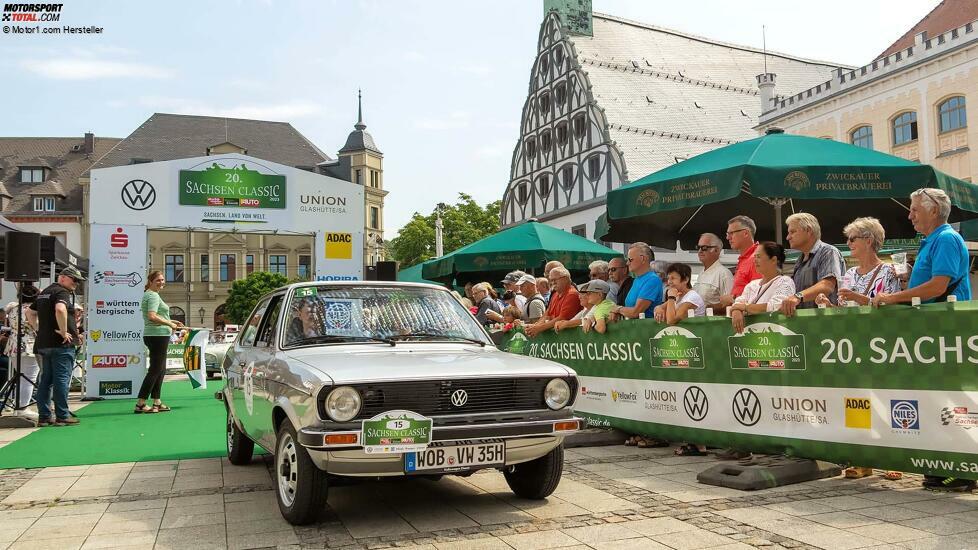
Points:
(111, 308)
(32, 13)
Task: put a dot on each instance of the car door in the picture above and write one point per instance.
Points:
(240, 369)
(263, 355)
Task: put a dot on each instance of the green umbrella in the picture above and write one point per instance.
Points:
(413, 275)
(769, 177)
(526, 246)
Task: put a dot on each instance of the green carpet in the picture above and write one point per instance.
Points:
(110, 432)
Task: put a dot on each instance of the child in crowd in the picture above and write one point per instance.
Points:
(511, 314)
(598, 304)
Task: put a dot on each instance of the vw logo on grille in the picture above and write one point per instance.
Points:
(746, 407)
(138, 194)
(459, 398)
(696, 403)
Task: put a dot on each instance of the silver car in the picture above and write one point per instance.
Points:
(374, 379)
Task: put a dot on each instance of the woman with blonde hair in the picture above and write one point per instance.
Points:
(483, 297)
(157, 327)
(870, 276)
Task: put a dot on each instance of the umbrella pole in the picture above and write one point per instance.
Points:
(778, 203)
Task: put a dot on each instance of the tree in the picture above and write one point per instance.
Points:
(465, 222)
(246, 292)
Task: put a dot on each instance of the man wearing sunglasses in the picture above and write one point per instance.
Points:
(618, 274)
(716, 280)
(646, 291)
(740, 235)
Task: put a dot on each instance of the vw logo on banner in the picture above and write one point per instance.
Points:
(460, 398)
(696, 403)
(138, 194)
(746, 407)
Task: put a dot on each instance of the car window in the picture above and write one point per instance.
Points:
(251, 329)
(266, 335)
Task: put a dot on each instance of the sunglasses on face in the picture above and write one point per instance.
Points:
(705, 247)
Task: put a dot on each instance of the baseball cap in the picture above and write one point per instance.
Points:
(596, 285)
(72, 271)
(513, 276)
(525, 279)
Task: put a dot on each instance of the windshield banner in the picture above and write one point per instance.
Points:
(895, 388)
(195, 342)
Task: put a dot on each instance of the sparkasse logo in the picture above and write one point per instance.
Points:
(119, 239)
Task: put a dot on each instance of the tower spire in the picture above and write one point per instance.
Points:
(360, 125)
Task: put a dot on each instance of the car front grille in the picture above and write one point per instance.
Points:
(435, 397)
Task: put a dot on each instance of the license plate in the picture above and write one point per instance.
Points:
(448, 458)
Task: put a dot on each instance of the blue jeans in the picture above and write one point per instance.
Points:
(56, 366)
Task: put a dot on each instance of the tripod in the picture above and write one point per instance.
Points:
(10, 392)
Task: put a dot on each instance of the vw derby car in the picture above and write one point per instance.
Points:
(374, 379)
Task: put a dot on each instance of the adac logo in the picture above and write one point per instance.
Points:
(797, 180)
(746, 407)
(114, 361)
(648, 198)
(624, 397)
(904, 414)
(119, 239)
(859, 413)
(339, 246)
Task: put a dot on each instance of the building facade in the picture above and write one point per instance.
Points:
(912, 101)
(612, 100)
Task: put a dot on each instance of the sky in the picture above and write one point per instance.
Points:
(444, 81)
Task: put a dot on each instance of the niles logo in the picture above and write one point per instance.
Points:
(904, 415)
(119, 239)
(859, 413)
(113, 361)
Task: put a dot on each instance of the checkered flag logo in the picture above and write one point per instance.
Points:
(99, 277)
(946, 416)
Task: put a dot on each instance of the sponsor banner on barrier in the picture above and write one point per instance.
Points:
(895, 388)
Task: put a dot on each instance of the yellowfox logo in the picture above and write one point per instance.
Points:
(859, 413)
(339, 246)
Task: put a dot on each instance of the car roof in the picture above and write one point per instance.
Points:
(348, 284)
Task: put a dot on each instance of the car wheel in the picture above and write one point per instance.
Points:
(301, 487)
(240, 448)
(538, 478)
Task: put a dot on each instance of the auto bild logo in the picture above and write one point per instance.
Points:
(905, 416)
(800, 410)
(695, 403)
(111, 308)
(661, 400)
(111, 278)
(859, 413)
(99, 335)
(114, 361)
(460, 398)
(624, 397)
(746, 407)
(138, 195)
(959, 416)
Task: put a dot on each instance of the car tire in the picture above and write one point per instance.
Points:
(300, 486)
(537, 479)
(240, 448)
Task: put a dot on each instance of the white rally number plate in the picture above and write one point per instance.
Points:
(447, 458)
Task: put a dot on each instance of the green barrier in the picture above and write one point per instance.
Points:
(175, 351)
(893, 388)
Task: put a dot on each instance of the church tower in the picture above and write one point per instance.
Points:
(367, 169)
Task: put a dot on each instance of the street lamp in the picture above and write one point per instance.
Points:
(201, 312)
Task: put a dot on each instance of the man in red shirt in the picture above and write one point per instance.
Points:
(564, 302)
(740, 235)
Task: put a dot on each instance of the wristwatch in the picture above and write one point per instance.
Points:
(670, 297)
(800, 296)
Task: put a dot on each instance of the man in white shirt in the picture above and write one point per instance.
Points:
(716, 280)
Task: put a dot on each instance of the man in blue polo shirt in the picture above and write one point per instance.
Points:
(646, 291)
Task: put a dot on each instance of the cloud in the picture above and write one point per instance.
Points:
(287, 110)
(494, 151)
(481, 71)
(454, 121)
(89, 69)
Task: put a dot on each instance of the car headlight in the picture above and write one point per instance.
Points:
(343, 404)
(557, 394)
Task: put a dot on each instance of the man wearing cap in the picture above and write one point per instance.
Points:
(57, 336)
(536, 306)
(511, 282)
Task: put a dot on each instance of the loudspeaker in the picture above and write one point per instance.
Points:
(369, 273)
(22, 261)
(386, 271)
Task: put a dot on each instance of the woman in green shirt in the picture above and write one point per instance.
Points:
(157, 328)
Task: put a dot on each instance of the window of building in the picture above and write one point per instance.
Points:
(173, 268)
(545, 141)
(545, 103)
(178, 314)
(560, 93)
(358, 178)
(249, 264)
(531, 148)
(374, 179)
(544, 64)
(49, 204)
(952, 113)
(579, 230)
(60, 236)
(205, 268)
(374, 217)
(559, 57)
(543, 185)
(276, 264)
(31, 175)
(228, 267)
(567, 175)
(862, 137)
(522, 193)
(594, 167)
(562, 134)
(39, 204)
(579, 126)
(905, 128)
(305, 266)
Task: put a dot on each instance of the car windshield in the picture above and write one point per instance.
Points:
(320, 314)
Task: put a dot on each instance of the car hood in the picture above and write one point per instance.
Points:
(351, 364)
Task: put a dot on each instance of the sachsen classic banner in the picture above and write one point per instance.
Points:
(895, 388)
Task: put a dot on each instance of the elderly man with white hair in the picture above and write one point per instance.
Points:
(564, 302)
(820, 267)
(942, 265)
(600, 270)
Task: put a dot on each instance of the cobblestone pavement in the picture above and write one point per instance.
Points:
(610, 497)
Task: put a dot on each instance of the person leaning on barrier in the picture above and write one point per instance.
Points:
(536, 306)
(618, 274)
(942, 265)
(740, 233)
(564, 303)
(511, 284)
(482, 292)
(818, 270)
(871, 275)
(680, 298)
(578, 319)
(767, 293)
(646, 291)
(716, 281)
(543, 288)
(598, 304)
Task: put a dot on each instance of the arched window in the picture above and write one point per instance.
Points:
(543, 185)
(567, 176)
(952, 113)
(562, 134)
(559, 56)
(545, 103)
(561, 94)
(522, 193)
(905, 128)
(177, 314)
(862, 137)
(544, 64)
(594, 167)
(531, 148)
(546, 140)
(579, 126)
